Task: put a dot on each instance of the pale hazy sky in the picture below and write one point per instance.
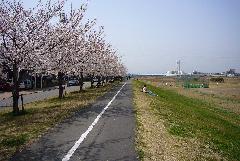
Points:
(152, 34)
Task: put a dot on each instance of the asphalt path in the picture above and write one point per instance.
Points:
(40, 95)
(111, 137)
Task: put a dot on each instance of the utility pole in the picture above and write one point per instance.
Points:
(179, 66)
(35, 79)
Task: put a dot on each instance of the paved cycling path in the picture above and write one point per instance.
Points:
(111, 136)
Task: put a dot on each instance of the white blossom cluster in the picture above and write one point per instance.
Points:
(39, 39)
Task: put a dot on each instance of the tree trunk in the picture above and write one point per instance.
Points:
(60, 84)
(22, 103)
(103, 80)
(81, 81)
(35, 80)
(15, 90)
(99, 81)
(92, 81)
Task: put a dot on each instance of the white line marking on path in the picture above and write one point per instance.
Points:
(84, 135)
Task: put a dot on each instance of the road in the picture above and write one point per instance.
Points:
(40, 95)
(111, 138)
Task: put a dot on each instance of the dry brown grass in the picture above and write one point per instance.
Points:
(225, 95)
(154, 142)
(18, 131)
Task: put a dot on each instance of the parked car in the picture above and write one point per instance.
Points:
(95, 79)
(26, 84)
(5, 86)
(111, 80)
(73, 82)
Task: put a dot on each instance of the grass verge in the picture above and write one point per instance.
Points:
(192, 121)
(18, 131)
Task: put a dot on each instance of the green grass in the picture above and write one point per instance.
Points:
(189, 118)
(18, 131)
(140, 154)
(15, 141)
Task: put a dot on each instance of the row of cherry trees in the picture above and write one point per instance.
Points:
(38, 39)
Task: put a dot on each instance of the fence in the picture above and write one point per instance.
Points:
(193, 82)
(38, 96)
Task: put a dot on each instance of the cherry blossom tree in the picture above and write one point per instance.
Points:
(20, 30)
(66, 40)
(99, 57)
(95, 57)
(31, 40)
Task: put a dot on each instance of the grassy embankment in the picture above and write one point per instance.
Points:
(182, 128)
(18, 131)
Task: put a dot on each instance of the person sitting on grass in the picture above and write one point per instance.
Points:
(145, 90)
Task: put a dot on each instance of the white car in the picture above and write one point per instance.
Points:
(73, 82)
(26, 84)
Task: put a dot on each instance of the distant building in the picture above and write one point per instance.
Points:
(175, 73)
(195, 72)
(231, 72)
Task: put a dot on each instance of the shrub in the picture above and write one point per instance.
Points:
(218, 79)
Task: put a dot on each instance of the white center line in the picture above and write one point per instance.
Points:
(84, 135)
